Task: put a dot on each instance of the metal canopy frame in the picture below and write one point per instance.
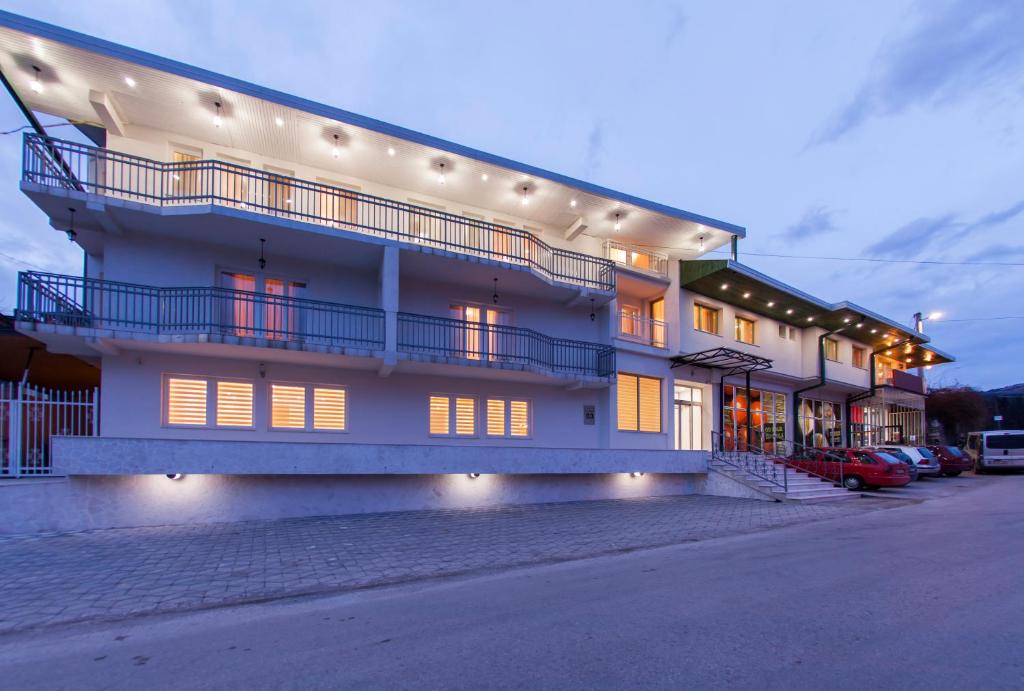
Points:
(734, 361)
(731, 362)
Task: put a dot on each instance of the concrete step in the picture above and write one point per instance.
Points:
(821, 497)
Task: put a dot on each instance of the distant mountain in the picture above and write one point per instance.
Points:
(1012, 390)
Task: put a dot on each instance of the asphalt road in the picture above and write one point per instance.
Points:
(927, 596)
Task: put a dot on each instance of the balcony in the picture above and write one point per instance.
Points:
(110, 309)
(637, 329)
(68, 165)
(637, 258)
(493, 345)
(200, 314)
(904, 381)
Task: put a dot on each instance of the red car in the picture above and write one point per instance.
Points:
(952, 460)
(860, 468)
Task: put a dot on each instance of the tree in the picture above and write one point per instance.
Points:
(958, 409)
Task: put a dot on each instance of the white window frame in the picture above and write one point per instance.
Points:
(211, 401)
(452, 415)
(308, 410)
(508, 400)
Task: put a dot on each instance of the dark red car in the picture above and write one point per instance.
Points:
(855, 468)
(952, 460)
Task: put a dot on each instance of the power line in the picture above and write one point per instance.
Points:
(871, 259)
(22, 262)
(977, 319)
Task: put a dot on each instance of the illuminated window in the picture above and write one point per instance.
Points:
(639, 403)
(705, 318)
(234, 404)
(832, 349)
(745, 330)
(508, 418)
(329, 409)
(186, 402)
(860, 357)
(287, 406)
(453, 416)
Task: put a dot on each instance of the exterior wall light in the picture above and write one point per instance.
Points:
(217, 119)
(473, 476)
(36, 84)
(174, 476)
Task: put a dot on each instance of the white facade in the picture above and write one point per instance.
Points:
(264, 270)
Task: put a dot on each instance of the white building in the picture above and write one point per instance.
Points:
(303, 310)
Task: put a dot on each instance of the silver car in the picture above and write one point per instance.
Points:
(926, 462)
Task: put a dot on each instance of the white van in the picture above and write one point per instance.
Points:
(996, 449)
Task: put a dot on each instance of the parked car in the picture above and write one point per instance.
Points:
(996, 449)
(900, 456)
(952, 460)
(927, 464)
(855, 468)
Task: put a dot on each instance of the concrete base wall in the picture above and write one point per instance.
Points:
(82, 503)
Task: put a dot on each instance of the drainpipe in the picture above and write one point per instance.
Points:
(821, 377)
(853, 398)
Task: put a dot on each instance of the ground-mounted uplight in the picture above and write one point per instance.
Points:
(636, 473)
(174, 476)
(473, 476)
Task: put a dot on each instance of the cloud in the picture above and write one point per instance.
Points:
(595, 148)
(956, 47)
(910, 240)
(1007, 253)
(816, 221)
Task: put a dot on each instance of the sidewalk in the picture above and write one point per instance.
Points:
(112, 574)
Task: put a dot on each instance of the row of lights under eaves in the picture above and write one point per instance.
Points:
(789, 312)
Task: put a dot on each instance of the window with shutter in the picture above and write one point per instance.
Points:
(639, 403)
(439, 407)
(465, 417)
(627, 398)
(508, 418)
(329, 409)
(234, 404)
(495, 417)
(650, 404)
(287, 406)
(186, 402)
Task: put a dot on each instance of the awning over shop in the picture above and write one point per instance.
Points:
(729, 360)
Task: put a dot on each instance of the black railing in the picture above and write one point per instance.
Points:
(111, 173)
(496, 344)
(93, 303)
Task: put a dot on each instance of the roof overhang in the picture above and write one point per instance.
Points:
(77, 69)
(735, 284)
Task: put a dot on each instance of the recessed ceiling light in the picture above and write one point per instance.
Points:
(874, 331)
(846, 320)
(789, 311)
(746, 295)
(771, 304)
(130, 82)
(391, 151)
(279, 122)
(725, 286)
(810, 319)
(572, 203)
(484, 177)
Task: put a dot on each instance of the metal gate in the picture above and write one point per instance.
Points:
(30, 415)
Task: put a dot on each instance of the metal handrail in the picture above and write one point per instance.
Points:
(116, 174)
(102, 304)
(498, 343)
(642, 330)
(636, 257)
(752, 460)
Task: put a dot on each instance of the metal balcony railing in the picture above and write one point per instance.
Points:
(69, 165)
(633, 327)
(496, 344)
(637, 257)
(93, 303)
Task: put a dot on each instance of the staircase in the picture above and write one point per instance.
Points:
(770, 476)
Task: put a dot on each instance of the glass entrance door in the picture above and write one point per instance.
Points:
(689, 420)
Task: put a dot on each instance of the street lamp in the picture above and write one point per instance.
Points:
(920, 319)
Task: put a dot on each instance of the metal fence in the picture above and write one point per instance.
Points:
(637, 257)
(31, 415)
(65, 164)
(498, 343)
(88, 302)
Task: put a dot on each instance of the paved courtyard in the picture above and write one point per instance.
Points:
(112, 574)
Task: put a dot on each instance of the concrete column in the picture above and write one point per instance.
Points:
(389, 291)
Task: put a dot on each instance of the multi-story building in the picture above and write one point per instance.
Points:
(318, 311)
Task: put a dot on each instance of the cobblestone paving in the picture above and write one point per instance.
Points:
(111, 574)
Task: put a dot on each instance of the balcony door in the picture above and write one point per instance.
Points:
(689, 418)
(234, 181)
(482, 337)
(263, 307)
